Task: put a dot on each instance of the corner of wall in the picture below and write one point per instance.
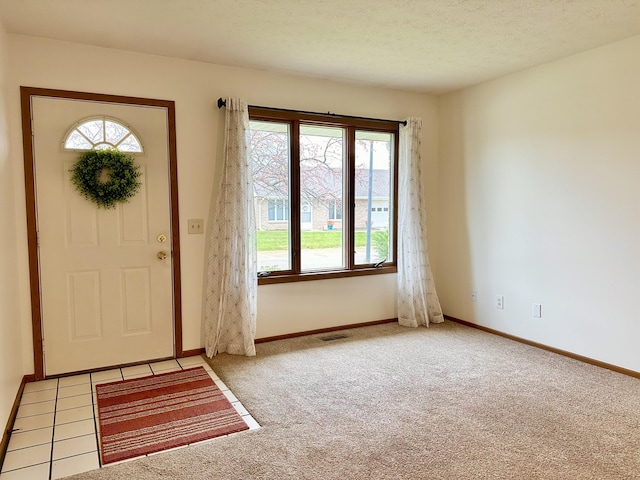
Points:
(537, 197)
(11, 367)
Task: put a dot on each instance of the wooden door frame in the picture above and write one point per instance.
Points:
(26, 96)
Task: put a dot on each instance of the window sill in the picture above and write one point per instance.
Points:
(309, 276)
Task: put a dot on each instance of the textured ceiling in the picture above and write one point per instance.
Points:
(422, 45)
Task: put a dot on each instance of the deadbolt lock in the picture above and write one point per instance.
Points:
(162, 238)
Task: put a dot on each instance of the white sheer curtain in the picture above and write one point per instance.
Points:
(232, 285)
(418, 302)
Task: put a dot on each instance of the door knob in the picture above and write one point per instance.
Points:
(162, 255)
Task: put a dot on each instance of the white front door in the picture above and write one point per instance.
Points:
(106, 297)
(306, 216)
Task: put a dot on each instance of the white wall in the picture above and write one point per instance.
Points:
(195, 87)
(11, 368)
(539, 202)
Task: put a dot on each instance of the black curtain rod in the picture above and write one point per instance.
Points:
(223, 103)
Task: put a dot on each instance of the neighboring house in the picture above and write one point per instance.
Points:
(321, 206)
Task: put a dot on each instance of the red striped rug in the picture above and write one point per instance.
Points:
(150, 414)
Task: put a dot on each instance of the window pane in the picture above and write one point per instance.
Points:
(373, 194)
(272, 210)
(269, 152)
(322, 162)
(335, 212)
(101, 134)
(278, 210)
(77, 142)
(93, 130)
(114, 132)
(130, 144)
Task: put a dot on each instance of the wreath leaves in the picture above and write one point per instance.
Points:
(106, 177)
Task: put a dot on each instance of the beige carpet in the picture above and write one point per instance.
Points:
(448, 402)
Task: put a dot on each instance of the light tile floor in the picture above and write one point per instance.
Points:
(55, 432)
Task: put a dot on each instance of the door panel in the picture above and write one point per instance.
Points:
(136, 300)
(106, 297)
(84, 300)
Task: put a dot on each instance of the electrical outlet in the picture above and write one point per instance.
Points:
(474, 296)
(537, 310)
(195, 225)
(500, 302)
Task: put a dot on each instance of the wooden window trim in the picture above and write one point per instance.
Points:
(350, 125)
(359, 271)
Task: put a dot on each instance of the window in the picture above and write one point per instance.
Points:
(278, 210)
(335, 210)
(325, 194)
(101, 133)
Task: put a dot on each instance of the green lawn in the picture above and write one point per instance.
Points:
(278, 240)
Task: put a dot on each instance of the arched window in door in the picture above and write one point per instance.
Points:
(100, 133)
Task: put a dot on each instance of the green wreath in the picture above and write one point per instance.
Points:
(106, 177)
